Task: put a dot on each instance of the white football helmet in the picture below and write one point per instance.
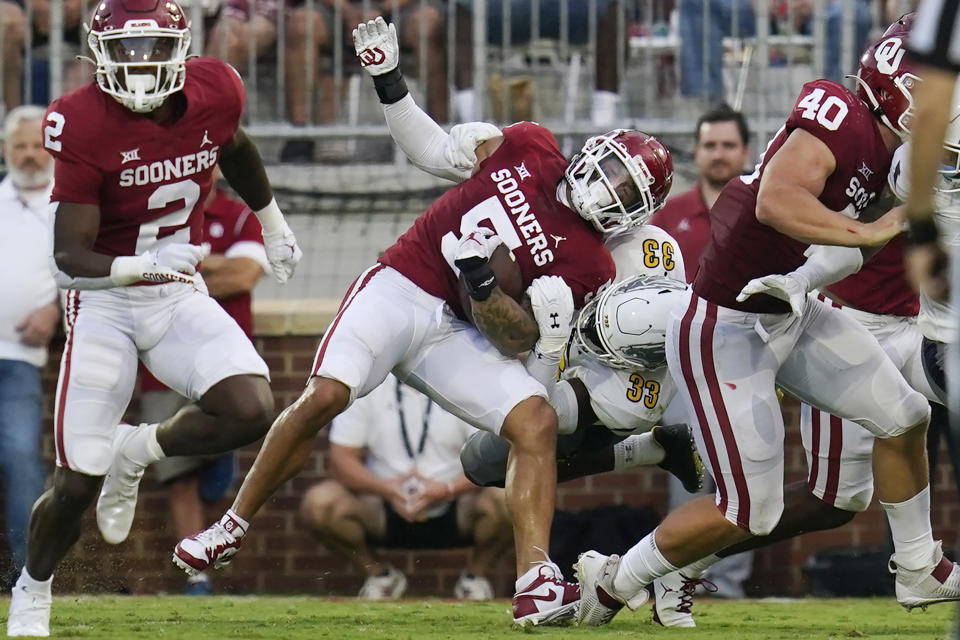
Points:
(140, 48)
(626, 325)
(618, 180)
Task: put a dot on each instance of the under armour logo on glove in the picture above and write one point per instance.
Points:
(553, 321)
(371, 56)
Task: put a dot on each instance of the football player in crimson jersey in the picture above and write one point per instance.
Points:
(405, 313)
(134, 158)
(728, 349)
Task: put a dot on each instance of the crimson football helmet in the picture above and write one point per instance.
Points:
(887, 77)
(619, 179)
(140, 48)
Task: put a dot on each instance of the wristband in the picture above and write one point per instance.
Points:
(480, 281)
(923, 231)
(391, 87)
(451, 490)
(271, 218)
(126, 270)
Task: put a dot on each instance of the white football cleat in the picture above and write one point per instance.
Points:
(118, 495)
(389, 586)
(29, 612)
(547, 598)
(673, 599)
(599, 601)
(214, 547)
(939, 582)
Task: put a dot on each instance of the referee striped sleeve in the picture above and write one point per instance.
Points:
(935, 36)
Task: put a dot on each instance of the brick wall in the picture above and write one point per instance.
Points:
(281, 558)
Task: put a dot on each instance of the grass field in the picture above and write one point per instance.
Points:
(300, 618)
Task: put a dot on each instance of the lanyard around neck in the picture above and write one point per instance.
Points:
(403, 425)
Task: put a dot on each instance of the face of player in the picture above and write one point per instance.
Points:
(720, 153)
(621, 181)
(30, 166)
(146, 50)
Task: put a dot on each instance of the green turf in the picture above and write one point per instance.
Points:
(301, 618)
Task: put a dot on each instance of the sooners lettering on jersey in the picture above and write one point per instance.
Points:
(742, 248)
(149, 180)
(514, 194)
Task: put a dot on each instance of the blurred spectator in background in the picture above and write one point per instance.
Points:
(396, 482)
(835, 68)
(705, 25)
(236, 263)
(28, 316)
(416, 20)
(603, 107)
(230, 36)
(722, 149)
(14, 25)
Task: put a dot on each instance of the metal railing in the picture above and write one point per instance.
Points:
(666, 56)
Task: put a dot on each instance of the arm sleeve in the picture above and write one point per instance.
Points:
(428, 146)
(828, 264)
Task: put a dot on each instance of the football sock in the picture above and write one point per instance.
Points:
(234, 523)
(30, 584)
(637, 451)
(142, 447)
(603, 108)
(640, 566)
(913, 543)
(698, 568)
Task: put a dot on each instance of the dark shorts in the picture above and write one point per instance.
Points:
(436, 533)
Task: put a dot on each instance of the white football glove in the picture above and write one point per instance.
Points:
(181, 257)
(376, 45)
(552, 303)
(476, 246)
(791, 288)
(283, 253)
(176, 262)
(461, 151)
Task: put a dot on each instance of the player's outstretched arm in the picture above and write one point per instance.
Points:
(789, 191)
(242, 166)
(76, 265)
(452, 156)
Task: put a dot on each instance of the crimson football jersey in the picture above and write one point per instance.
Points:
(514, 193)
(881, 285)
(742, 248)
(149, 180)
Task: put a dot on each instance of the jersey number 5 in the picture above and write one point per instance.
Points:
(490, 210)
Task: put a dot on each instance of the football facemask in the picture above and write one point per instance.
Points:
(619, 179)
(141, 57)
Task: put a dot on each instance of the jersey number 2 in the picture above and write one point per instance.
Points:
(186, 190)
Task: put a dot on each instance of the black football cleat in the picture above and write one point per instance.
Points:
(681, 459)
